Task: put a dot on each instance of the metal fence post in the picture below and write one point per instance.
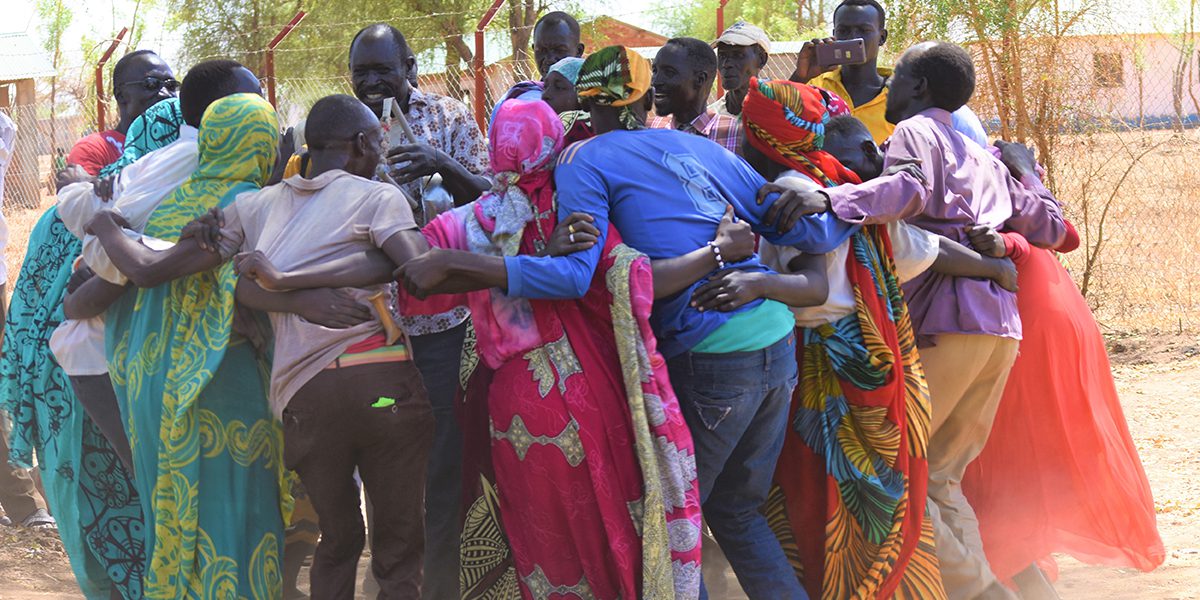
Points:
(480, 109)
(100, 77)
(269, 68)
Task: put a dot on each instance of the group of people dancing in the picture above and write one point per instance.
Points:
(815, 333)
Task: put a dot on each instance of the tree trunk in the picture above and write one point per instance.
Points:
(990, 57)
(457, 52)
(522, 15)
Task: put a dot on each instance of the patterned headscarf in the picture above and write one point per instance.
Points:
(786, 121)
(568, 68)
(526, 139)
(238, 141)
(615, 76)
(157, 127)
(173, 364)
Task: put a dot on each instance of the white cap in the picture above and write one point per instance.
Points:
(744, 34)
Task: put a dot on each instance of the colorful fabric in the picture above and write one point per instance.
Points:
(156, 128)
(965, 186)
(568, 67)
(615, 76)
(725, 130)
(754, 329)
(786, 122)
(396, 353)
(88, 490)
(609, 176)
(578, 126)
(872, 112)
(449, 126)
(849, 506)
(194, 392)
(594, 490)
(139, 190)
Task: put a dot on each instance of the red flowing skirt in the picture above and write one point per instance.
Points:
(1060, 472)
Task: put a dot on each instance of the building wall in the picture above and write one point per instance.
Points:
(1108, 78)
(1145, 87)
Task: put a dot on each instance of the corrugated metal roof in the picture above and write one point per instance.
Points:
(22, 57)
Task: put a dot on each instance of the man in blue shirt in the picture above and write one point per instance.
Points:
(734, 372)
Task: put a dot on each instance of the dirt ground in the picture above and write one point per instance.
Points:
(1159, 381)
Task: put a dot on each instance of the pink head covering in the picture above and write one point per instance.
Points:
(526, 139)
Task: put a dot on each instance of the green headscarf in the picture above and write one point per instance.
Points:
(157, 127)
(238, 139)
(167, 348)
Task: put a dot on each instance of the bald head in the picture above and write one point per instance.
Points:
(335, 119)
(342, 133)
(381, 66)
(930, 75)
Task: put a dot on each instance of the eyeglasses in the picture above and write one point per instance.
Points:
(153, 84)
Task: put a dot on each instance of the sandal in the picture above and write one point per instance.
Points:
(39, 519)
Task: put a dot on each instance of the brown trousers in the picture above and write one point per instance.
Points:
(17, 495)
(329, 429)
(966, 375)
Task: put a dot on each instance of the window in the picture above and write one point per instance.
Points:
(1108, 70)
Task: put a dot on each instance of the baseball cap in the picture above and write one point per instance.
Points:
(744, 34)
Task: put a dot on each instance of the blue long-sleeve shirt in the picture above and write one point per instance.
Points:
(665, 191)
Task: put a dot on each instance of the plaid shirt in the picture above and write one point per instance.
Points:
(725, 130)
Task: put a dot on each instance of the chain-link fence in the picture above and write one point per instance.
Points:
(1114, 118)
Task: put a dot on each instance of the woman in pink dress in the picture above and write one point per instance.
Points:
(592, 489)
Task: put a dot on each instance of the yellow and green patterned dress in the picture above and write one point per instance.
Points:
(207, 452)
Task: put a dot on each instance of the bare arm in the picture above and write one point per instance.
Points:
(806, 285)
(957, 260)
(441, 271)
(464, 185)
(673, 275)
(404, 246)
(359, 270)
(148, 268)
(422, 160)
(336, 309)
(91, 299)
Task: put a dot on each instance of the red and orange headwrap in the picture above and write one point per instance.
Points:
(786, 121)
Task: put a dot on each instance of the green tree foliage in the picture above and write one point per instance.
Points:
(781, 21)
(241, 29)
(55, 18)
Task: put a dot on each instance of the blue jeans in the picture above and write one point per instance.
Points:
(736, 406)
(438, 356)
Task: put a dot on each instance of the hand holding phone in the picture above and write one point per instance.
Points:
(841, 52)
(824, 55)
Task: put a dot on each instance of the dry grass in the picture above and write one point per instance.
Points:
(1144, 276)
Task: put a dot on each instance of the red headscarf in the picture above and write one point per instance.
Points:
(786, 122)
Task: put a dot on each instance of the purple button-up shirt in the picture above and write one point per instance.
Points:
(967, 186)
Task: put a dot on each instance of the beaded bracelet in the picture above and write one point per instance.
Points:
(717, 254)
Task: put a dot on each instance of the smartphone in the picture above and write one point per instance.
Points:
(841, 52)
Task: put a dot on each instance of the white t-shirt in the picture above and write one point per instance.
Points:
(913, 249)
